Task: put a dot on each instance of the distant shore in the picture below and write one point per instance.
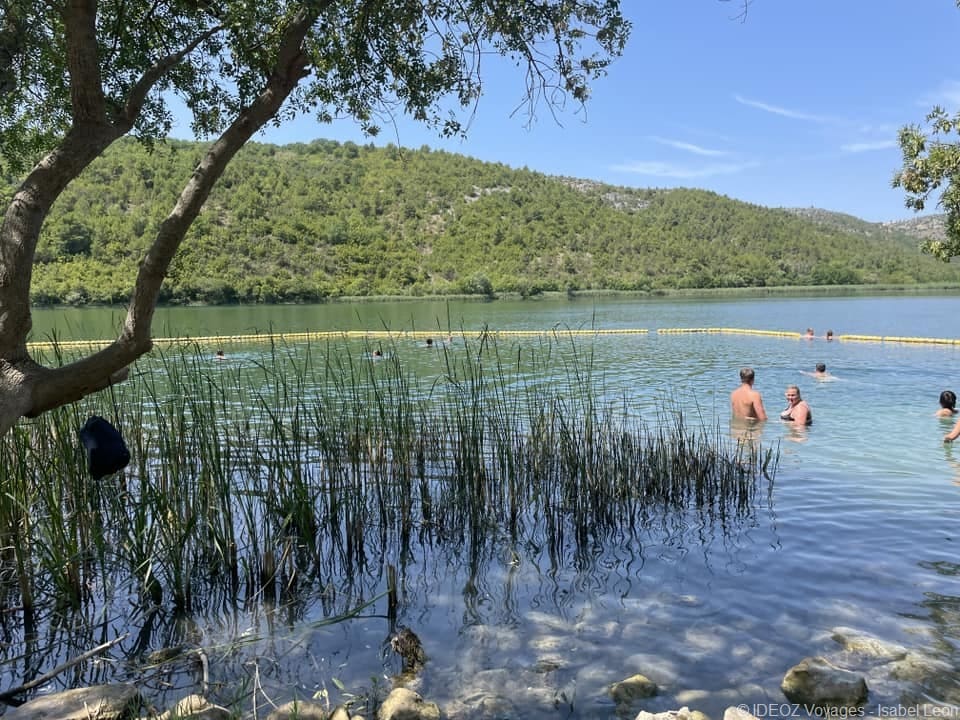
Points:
(775, 291)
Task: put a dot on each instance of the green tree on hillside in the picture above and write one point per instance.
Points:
(77, 75)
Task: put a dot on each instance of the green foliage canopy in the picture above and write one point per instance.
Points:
(931, 162)
(306, 222)
(366, 59)
(77, 75)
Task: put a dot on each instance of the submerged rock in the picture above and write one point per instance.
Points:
(816, 682)
(635, 687)
(196, 707)
(98, 702)
(863, 644)
(403, 704)
(301, 710)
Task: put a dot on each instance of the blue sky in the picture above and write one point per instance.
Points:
(797, 105)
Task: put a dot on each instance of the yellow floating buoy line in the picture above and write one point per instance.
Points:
(249, 338)
(218, 340)
(728, 331)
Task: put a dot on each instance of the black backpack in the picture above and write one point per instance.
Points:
(106, 451)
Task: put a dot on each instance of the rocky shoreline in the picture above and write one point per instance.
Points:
(838, 686)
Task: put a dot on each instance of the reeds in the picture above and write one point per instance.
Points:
(312, 469)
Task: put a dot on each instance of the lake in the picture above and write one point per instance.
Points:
(861, 529)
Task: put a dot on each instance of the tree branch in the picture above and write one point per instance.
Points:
(291, 67)
(47, 676)
(83, 63)
(138, 93)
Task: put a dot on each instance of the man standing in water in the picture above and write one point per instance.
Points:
(745, 402)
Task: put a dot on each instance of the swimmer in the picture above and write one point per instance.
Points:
(745, 402)
(948, 404)
(819, 373)
(809, 334)
(220, 356)
(829, 335)
(797, 410)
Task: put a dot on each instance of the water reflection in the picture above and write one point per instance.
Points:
(746, 431)
(936, 672)
(564, 581)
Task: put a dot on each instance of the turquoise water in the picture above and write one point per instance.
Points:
(861, 529)
(925, 316)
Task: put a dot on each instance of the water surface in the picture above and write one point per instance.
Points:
(861, 530)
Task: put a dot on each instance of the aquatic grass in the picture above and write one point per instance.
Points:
(308, 471)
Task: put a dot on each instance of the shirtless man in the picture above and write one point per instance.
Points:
(745, 402)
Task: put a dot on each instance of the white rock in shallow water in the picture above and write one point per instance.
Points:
(633, 688)
(196, 707)
(737, 713)
(303, 710)
(403, 704)
(683, 713)
(98, 702)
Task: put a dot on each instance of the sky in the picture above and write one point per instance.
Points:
(797, 104)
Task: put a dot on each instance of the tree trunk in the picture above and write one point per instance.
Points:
(28, 389)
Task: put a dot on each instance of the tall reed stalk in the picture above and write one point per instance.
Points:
(304, 469)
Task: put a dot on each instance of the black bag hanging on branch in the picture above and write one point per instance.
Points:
(106, 451)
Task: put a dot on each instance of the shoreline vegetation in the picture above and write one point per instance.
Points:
(310, 221)
(318, 471)
(706, 293)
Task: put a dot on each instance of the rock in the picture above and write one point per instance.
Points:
(737, 713)
(683, 713)
(518, 687)
(98, 702)
(482, 705)
(914, 667)
(403, 704)
(633, 688)
(196, 707)
(301, 710)
(863, 644)
(816, 682)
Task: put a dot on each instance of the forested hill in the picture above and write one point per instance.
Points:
(309, 221)
(907, 232)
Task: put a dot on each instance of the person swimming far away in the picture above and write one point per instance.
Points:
(808, 335)
(819, 373)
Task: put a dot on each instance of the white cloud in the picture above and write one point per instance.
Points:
(688, 147)
(947, 96)
(785, 112)
(858, 147)
(679, 172)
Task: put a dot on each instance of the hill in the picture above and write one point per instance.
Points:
(910, 232)
(310, 221)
